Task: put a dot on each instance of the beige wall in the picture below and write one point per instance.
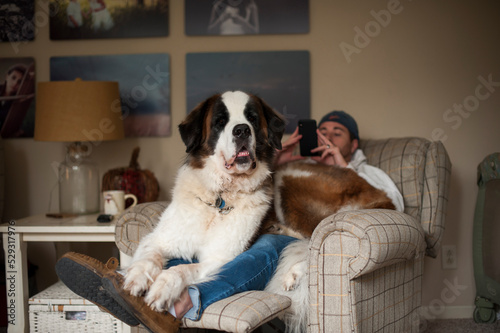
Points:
(428, 58)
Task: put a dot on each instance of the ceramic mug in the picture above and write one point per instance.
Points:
(114, 201)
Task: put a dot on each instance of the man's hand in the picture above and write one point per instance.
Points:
(330, 154)
(286, 153)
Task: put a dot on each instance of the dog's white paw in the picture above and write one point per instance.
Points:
(290, 281)
(140, 275)
(166, 289)
(293, 277)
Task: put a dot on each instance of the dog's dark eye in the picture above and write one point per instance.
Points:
(220, 121)
(251, 114)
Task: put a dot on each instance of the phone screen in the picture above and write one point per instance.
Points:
(309, 141)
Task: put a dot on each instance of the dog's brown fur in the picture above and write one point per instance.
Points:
(306, 193)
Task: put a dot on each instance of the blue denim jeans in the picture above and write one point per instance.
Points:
(251, 270)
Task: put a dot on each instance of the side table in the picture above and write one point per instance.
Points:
(39, 228)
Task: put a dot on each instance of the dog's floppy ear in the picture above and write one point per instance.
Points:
(192, 127)
(275, 124)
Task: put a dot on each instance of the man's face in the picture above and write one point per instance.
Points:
(13, 81)
(339, 135)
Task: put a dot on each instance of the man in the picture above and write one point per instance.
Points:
(338, 144)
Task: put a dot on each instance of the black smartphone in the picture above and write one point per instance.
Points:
(309, 141)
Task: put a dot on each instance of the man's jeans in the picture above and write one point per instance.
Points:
(251, 270)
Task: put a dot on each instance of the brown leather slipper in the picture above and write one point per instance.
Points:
(154, 321)
(83, 275)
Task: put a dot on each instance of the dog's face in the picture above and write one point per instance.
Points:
(235, 129)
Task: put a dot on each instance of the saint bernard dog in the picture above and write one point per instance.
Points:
(222, 193)
(304, 194)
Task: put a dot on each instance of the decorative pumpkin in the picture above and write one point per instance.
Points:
(142, 183)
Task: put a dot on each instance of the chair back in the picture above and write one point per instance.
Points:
(421, 170)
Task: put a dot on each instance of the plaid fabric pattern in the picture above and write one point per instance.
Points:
(242, 312)
(421, 170)
(365, 272)
(136, 223)
(435, 199)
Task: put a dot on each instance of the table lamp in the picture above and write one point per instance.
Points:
(83, 113)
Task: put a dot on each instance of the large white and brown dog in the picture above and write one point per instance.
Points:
(304, 194)
(221, 195)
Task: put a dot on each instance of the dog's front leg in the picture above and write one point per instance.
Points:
(147, 264)
(169, 285)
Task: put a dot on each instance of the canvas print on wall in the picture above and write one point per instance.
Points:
(16, 20)
(17, 94)
(89, 19)
(281, 78)
(144, 81)
(244, 17)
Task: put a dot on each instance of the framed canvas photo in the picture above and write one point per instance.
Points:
(16, 20)
(17, 95)
(144, 81)
(246, 17)
(281, 78)
(90, 19)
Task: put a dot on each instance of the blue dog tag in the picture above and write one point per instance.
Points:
(220, 203)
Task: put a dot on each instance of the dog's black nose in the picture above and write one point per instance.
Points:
(241, 131)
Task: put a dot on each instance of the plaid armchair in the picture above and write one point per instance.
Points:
(365, 266)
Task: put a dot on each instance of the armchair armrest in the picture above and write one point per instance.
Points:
(361, 263)
(366, 240)
(135, 223)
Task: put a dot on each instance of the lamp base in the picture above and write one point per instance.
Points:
(78, 183)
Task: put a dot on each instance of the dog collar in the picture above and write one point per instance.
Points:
(219, 204)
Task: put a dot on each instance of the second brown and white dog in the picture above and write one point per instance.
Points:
(304, 194)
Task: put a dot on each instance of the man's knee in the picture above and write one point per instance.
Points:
(273, 242)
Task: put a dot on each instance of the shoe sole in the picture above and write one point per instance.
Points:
(87, 283)
(110, 288)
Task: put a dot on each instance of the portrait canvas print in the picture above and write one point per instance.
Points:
(144, 81)
(16, 20)
(246, 17)
(17, 95)
(89, 19)
(281, 78)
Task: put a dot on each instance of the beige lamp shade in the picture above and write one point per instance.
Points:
(78, 111)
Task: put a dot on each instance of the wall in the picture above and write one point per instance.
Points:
(420, 63)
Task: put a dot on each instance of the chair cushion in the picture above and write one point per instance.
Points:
(242, 312)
